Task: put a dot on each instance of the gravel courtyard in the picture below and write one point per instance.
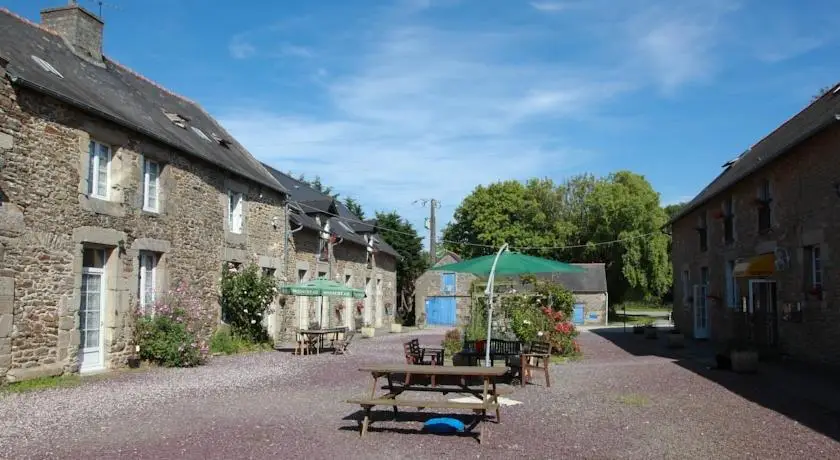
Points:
(618, 402)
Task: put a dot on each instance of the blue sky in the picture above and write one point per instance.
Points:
(391, 101)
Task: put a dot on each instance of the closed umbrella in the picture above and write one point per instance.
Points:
(505, 262)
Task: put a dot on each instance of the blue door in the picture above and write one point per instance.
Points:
(577, 315)
(440, 311)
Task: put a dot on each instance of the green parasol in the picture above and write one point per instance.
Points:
(505, 263)
(322, 287)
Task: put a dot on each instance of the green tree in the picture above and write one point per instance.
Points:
(355, 207)
(522, 215)
(317, 185)
(401, 235)
(671, 210)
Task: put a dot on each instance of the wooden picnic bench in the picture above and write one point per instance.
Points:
(487, 396)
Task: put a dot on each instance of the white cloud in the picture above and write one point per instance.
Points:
(295, 50)
(431, 113)
(241, 49)
(551, 7)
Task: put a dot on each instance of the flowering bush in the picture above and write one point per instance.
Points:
(562, 333)
(544, 316)
(169, 331)
(360, 307)
(246, 299)
(451, 342)
(339, 310)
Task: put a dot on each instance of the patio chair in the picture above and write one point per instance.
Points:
(537, 357)
(304, 344)
(342, 344)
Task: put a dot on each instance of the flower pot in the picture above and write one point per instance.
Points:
(396, 327)
(134, 362)
(676, 340)
(745, 361)
(368, 332)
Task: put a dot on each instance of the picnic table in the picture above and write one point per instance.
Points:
(318, 335)
(447, 379)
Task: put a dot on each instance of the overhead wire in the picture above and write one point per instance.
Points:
(519, 248)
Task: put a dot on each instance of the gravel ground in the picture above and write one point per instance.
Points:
(613, 404)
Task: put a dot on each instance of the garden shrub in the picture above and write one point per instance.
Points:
(226, 342)
(246, 296)
(452, 342)
(544, 316)
(169, 331)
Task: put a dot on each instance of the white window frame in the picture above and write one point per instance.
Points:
(94, 161)
(100, 272)
(235, 211)
(148, 205)
(145, 275)
(816, 267)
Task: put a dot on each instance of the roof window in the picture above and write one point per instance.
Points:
(200, 133)
(177, 119)
(345, 226)
(47, 66)
(222, 141)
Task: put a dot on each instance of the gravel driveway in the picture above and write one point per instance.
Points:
(612, 404)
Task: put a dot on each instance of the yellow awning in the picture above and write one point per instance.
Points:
(762, 265)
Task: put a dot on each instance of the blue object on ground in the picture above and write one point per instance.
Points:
(444, 425)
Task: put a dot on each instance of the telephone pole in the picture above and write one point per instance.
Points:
(431, 226)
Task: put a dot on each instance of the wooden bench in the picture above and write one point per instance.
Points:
(480, 408)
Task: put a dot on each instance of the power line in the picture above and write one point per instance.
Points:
(479, 245)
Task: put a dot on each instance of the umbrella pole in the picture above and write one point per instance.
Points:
(490, 282)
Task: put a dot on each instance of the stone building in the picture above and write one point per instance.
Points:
(445, 298)
(328, 241)
(112, 189)
(753, 252)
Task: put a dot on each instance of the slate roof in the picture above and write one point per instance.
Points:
(310, 201)
(593, 280)
(815, 117)
(121, 96)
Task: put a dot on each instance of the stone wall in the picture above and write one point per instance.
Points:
(594, 303)
(429, 285)
(348, 266)
(47, 218)
(804, 212)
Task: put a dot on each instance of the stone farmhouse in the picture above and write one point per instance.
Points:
(113, 189)
(331, 242)
(753, 252)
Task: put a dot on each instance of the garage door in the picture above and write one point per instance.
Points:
(440, 311)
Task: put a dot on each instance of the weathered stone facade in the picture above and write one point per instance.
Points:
(348, 265)
(805, 212)
(47, 218)
(429, 284)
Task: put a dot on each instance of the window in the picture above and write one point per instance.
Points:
(347, 280)
(686, 286)
(704, 276)
(728, 221)
(703, 232)
(151, 185)
(99, 170)
(345, 226)
(814, 267)
(148, 279)
(731, 285)
(269, 272)
(92, 301)
(764, 200)
(234, 212)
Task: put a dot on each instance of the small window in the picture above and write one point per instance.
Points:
(347, 280)
(703, 232)
(99, 170)
(200, 133)
(148, 280)
(269, 272)
(764, 209)
(47, 66)
(234, 212)
(704, 276)
(686, 286)
(151, 186)
(728, 221)
(731, 285)
(814, 273)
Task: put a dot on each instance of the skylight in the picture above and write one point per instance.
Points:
(345, 226)
(200, 133)
(179, 120)
(47, 66)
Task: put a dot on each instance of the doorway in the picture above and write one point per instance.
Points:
(92, 310)
(762, 314)
(701, 312)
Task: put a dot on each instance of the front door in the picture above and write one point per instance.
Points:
(578, 314)
(441, 311)
(701, 312)
(762, 313)
(91, 311)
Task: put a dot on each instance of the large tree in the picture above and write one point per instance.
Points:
(402, 236)
(355, 207)
(614, 220)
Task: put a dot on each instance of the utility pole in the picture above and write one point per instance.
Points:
(431, 226)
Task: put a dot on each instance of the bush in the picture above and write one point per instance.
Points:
(169, 332)
(451, 342)
(224, 341)
(246, 296)
(544, 316)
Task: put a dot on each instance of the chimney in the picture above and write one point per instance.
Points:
(79, 27)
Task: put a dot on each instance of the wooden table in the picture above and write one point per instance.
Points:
(487, 396)
(319, 334)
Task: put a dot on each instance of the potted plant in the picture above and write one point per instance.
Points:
(676, 339)
(339, 310)
(743, 357)
(368, 330)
